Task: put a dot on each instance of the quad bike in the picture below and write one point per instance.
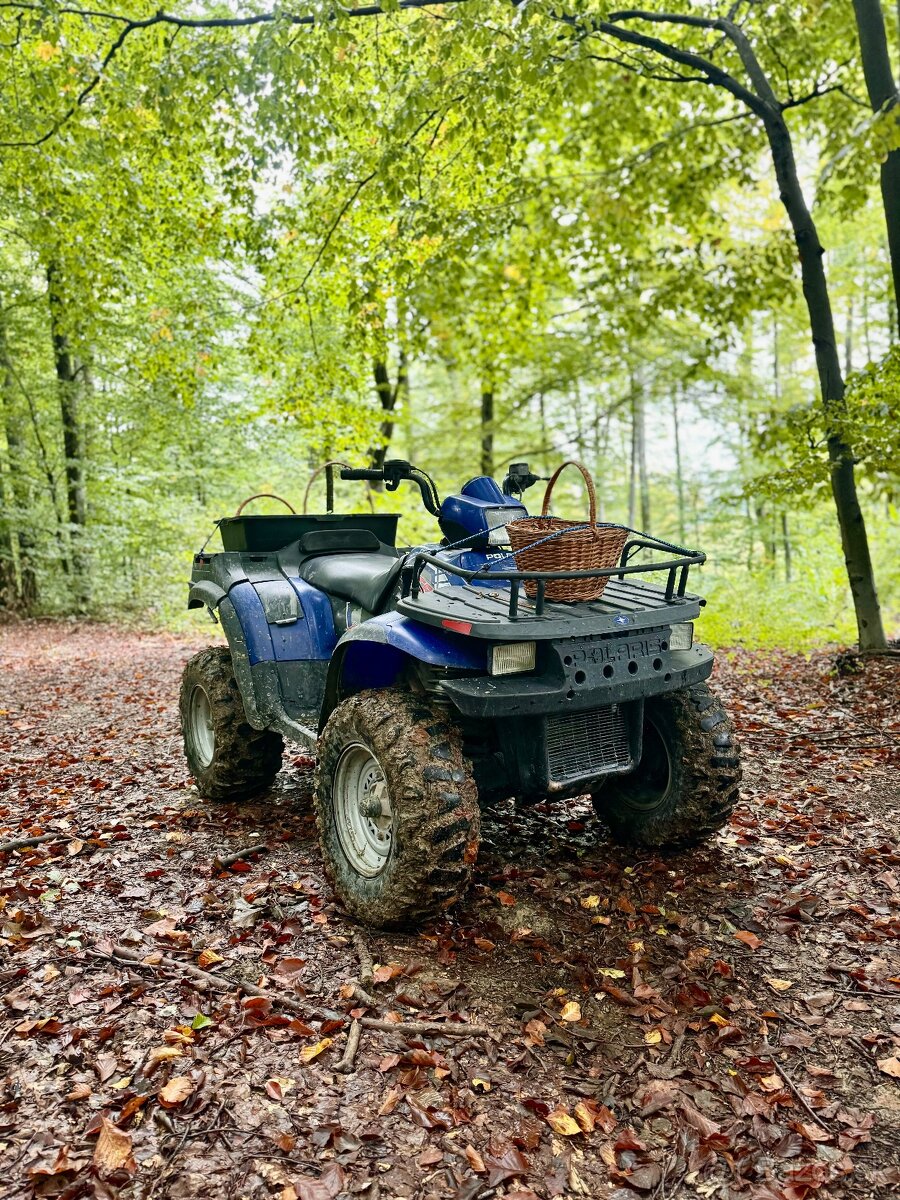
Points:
(428, 681)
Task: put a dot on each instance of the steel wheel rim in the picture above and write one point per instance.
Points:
(651, 786)
(203, 734)
(362, 811)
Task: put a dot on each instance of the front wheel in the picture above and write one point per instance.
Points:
(227, 757)
(686, 783)
(396, 807)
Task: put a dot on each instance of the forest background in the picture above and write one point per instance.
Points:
(235, 242)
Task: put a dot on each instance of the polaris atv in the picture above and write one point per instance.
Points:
(428, 680)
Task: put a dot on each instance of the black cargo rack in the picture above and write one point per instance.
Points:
(676, 583)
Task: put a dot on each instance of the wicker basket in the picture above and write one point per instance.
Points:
(548, 543)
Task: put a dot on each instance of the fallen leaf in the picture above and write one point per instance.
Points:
(780, 985)
(560, 1122)
(113, 1149)
(176, 1091)
(308, 1053)
(506, 899)
(571, 1011)
(476, 1162)
(748, 938)
(890, 1066)
(653, 1037)
(208, 957)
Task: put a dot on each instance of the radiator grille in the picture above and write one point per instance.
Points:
(587, 743)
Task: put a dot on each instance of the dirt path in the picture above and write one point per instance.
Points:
(719, 1024)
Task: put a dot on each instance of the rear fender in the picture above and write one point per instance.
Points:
(377, 653)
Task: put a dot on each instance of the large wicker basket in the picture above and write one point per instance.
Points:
(548, 543)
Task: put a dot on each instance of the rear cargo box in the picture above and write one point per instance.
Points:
(266, 534)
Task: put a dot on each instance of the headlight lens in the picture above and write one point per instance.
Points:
(512, 658)
(501, 516)
(681, 637)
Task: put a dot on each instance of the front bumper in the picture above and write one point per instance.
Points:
(583, 673)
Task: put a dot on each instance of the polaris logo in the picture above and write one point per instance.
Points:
(621, 619)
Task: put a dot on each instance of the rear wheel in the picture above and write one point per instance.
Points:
(686, 783)
(397, 808)
(227, 757)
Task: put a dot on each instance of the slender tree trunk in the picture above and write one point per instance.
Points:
(883, 96)
(22, 542)
(679, 474)
(68, 387)
(641, 424)
(843, 482)
(633, 459)
(786, 546)
(9, 539)
(848, 341)
(387, 398)
(487, 426)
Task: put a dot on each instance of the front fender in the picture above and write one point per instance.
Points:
(376, 654)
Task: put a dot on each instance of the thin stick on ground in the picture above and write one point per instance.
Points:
(455, 1028)
(224, 984)
(366, 968)
(221, 861)
(25, 842)
(345, 1066)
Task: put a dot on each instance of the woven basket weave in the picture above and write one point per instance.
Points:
(548, 543)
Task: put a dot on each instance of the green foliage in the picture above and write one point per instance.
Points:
(243, 222)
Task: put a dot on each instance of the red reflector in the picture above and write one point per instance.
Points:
(458, 626)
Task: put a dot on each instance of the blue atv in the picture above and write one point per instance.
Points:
(433, 679)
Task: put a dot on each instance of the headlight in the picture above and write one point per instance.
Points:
(501, 516)
(681, 637)
(512, 658)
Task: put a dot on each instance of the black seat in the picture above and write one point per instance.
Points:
(366, 579)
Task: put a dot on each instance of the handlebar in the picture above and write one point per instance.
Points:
(393, 473)
(362, 473)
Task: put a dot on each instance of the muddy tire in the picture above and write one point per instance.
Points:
(396, 807)
(686, 783)
(227, 757)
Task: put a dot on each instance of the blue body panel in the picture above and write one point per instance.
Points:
(311, 638)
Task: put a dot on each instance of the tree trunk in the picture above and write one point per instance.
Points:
(679, 475)
(633, 459)
(21, 590)
(69, 387)
(387, 398)
(882, 89)
(641, 435)
(843, 482)
(487, 427)
(786, 546)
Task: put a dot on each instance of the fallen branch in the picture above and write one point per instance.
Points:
(345, 1066)
(24, 843)
(798, 1095)
(454, 1028)
(366, 969)
(219, 982)
(363, 996)
(221, 861)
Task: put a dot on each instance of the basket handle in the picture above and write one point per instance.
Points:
(264, 496)
(588, 482)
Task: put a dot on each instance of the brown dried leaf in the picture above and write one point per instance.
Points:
(176, 1091)
(113, 1149)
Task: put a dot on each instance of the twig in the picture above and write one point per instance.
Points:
(779, 1067)
(345, 1066)
(366, 969)
(454, 1028)
(23, 843)
(363, 996)
(671, 1058)
(219, 982)
(226, 860)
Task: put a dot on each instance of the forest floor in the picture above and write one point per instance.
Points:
(723, 1023)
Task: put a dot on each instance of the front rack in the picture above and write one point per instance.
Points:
(676, 583)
